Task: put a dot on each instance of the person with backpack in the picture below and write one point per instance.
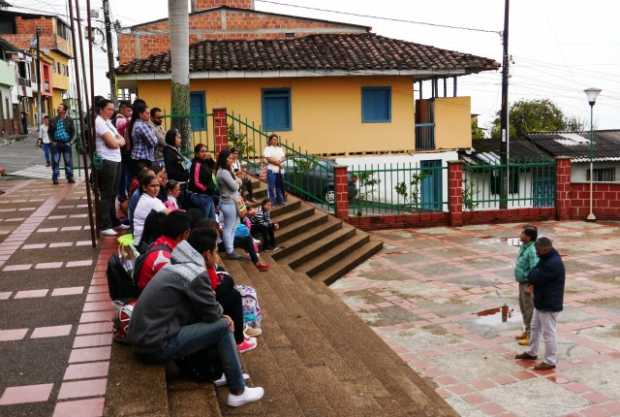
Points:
(61, 133)
(157, 256)
(178, 317)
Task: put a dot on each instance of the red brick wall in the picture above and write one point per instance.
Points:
(25, 25)
(606, 199)
(210, 4)
(239, 25)
(402, 221)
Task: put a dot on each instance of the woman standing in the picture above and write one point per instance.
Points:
(143, 138)
(175, 162)
(108, 143)
(202, 188)
(229, 198)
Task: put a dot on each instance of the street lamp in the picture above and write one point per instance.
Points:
(592, 94)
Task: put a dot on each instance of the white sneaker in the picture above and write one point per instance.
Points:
(249, 395)
(221, 381)
(123, 226)
(109, 232)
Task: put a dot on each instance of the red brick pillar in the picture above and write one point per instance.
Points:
(342, 192)
(562, 187)
(220, 129)
(455, 192)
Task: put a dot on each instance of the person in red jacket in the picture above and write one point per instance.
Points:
(176, 230)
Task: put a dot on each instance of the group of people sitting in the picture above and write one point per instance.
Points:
(181, 214)
(135, 183)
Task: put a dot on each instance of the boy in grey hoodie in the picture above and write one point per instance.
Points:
(177, 315)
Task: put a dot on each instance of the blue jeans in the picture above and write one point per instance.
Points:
(125, 180)
(63, 149)
(205, 203)
(47, 153)
(200, 336)
(275, 188)
(231, 219)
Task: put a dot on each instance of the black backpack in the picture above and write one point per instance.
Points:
(137, 266)
(120, 284)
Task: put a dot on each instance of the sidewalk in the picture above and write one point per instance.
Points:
(433, 295)
(55, 329)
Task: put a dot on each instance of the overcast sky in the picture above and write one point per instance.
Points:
(559, 47)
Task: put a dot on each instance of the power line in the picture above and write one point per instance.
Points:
(390, 19)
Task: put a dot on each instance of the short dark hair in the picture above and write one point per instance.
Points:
(544, 242)
(265, 202)
(176, 224)
(155, 110)
(65, 106)
(203, 240)
(531, 232)
(146, 180)
(153, 226)
(123, 103)
(171, 185)
(207, 223)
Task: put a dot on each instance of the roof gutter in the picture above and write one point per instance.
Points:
(293, 74)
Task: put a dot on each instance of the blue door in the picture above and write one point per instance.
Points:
(197, 110)
(432, 185)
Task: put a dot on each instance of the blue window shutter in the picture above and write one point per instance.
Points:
(376, 104)
(197, 110)
(276, 109)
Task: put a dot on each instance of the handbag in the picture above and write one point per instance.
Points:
(242, 209)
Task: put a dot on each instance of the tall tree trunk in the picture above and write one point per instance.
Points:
(179, 58)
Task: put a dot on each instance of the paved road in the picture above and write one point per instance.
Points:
(55, 329)
(21, 154)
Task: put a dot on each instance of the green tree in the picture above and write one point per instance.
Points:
(476, 132)
(541, 115)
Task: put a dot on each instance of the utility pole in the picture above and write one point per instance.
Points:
(37, 34)
(110, 49)
(179, 58)
(504, 117)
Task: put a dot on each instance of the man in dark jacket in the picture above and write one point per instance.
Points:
(178, 315)
(547, 280)
(61, 133)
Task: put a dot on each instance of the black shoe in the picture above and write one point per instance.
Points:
(526, 356)
(55, 182)
(71, 181)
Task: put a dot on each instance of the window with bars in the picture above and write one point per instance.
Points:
(602, 174)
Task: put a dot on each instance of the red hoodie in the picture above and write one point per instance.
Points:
(156, 261)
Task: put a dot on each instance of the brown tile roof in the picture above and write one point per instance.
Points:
(322, 52)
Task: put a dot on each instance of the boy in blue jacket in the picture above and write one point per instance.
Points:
(526, 262)
(548, 280)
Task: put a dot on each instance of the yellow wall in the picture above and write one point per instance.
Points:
(453, 122)
(60, 82)
(326, 112)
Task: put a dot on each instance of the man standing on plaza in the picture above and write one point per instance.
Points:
(526, 261)
(61, 133)
(548, 280)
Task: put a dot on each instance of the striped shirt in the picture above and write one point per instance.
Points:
(262, 218)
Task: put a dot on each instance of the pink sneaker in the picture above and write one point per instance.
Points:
(247, 345)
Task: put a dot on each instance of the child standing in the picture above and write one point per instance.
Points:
(262, 226)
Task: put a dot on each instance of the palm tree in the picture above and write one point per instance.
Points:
(179, 59)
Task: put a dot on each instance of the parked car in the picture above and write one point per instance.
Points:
(314, 180)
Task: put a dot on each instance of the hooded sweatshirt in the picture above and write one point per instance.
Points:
(178, 295)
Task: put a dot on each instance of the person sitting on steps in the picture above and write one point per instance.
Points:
(178, 315)
(262, 226)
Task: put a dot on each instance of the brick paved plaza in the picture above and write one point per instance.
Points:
(423, 292)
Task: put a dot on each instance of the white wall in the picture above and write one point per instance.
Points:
(579, 170)
(399, 164)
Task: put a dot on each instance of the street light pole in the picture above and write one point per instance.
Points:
(592, 94)
(38, 40)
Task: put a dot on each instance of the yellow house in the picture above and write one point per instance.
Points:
(60, 77)
(332, 94)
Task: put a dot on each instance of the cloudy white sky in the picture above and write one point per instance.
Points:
(559, 47)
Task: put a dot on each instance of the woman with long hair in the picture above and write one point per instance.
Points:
(175, 162)
(143, 138)
(229, 198)
(202, 188)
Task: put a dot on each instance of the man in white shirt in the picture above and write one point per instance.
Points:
(274, 157)
(44, 140)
